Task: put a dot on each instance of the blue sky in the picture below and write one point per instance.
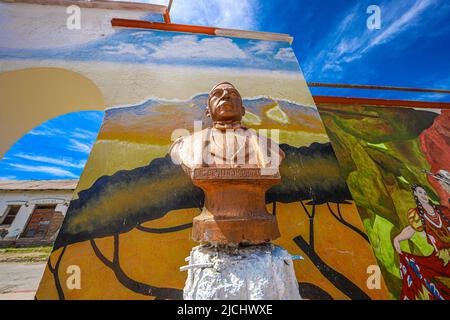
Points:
(57, 149)
(332, 43)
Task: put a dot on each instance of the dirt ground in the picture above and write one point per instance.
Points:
(37, 254)
(21, 270)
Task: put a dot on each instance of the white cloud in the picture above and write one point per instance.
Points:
(237, 14)
(142, 34)
(262, 47)
(79, 133)
(348, 43)
(8, 178)
(65, 162)
(45, 130)
(126, 49)
(79, 146)
(401, 24)
(286, 55)
(54, 171)
(332, 67)
(190, 47)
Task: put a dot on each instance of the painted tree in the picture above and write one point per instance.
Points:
(124, 201)
(311, 177)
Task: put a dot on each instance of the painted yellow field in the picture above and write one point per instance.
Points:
(155, 259)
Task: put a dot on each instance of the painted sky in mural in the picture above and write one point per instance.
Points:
(147, 47)
(120, 52)
(137, 48)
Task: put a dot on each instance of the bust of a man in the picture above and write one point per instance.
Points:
(228, 143)
(234, 166)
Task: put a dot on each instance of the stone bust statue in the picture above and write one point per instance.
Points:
(227, 143)
(234, 166)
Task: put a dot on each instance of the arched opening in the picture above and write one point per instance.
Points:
(47, 128)
(31, 96)
(39, 174)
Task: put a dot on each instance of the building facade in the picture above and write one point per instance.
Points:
(32, 211)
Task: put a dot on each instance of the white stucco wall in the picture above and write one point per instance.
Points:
(28, 200)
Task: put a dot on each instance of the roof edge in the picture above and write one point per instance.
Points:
(36, 185)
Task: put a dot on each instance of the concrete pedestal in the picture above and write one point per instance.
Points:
(262, 272)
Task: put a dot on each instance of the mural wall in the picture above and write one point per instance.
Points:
(396, 162)
(128, 227)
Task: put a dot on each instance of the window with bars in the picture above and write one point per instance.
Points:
(11, 214)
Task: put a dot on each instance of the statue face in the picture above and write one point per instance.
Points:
(225, 103)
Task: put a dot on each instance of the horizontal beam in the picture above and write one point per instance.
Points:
(328, 100)
(371, 87)
(99, 4)
(127, 23)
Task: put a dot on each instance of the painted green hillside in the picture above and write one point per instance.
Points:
(380, 156)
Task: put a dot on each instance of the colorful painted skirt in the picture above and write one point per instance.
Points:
(424, 278)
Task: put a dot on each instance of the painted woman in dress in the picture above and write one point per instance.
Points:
(426, 277)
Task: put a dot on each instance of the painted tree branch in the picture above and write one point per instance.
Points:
(312, 292)
(336, 278)
(55, 273)
(341, 219)
(164, 230)
(311, 222)
(133, 285)
(306, 209)
(100, 255)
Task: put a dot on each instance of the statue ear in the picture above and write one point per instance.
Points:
(243, 111)
(208, 114)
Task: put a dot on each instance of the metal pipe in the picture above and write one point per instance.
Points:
(371, 87)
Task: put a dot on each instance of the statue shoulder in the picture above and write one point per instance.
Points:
(174, 150)
(176, 144)
(185, 149)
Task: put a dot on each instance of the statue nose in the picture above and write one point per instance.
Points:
(225, 93)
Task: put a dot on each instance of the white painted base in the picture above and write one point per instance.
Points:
(263, 272)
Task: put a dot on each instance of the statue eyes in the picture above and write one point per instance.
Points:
(219, 93)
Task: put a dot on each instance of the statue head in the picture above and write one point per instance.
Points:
(225, 103)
